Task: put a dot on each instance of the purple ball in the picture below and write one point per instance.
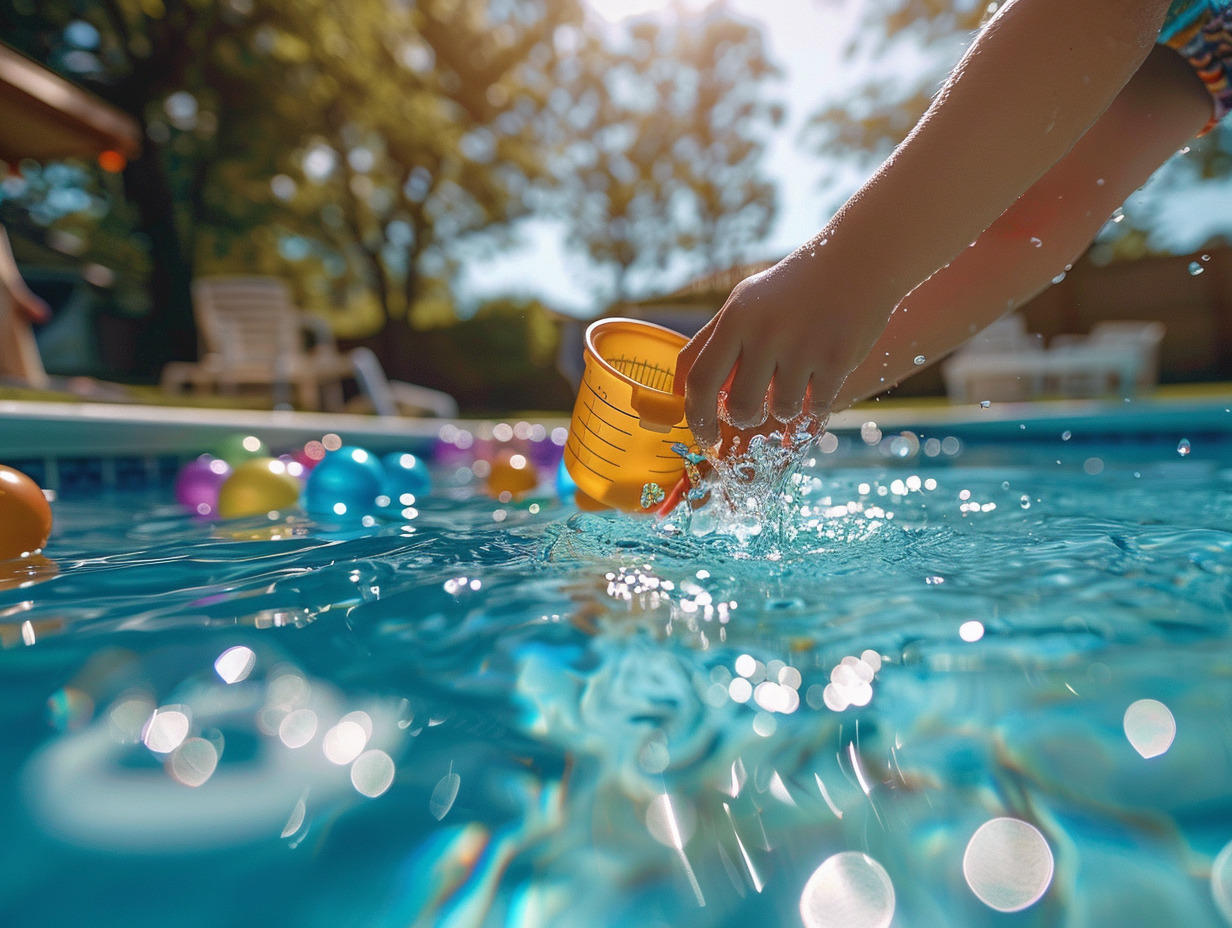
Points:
(198, 483)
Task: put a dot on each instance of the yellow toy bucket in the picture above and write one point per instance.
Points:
(626, 417)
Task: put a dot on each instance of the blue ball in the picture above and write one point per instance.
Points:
(565, 484)
(345, 483)
(407, 480)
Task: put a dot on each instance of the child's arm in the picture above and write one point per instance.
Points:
(1035, 79)
(1163, 106)
(30, 306)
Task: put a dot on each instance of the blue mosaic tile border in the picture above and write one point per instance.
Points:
(82, 477)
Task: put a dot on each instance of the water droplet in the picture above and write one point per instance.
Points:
(1060, 277)
(1038, 243)
(1195, 269)
(1183, 447)
(919, 359)
(444, 794)
(1066, 435)
(1025, 501)
(984, 404)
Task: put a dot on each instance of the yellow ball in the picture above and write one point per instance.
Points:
(256, 487)
(513, 474)
(25, 515)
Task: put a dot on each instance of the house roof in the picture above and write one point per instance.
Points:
(46, 117)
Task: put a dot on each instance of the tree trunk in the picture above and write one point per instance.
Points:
(169, 333)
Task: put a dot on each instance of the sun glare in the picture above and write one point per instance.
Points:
(616, 10)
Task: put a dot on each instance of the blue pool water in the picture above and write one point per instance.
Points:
(955, 684)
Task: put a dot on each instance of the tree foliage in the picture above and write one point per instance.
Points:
(902, 51)
(663, 142)
(356, 146)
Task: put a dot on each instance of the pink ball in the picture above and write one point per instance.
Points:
(198, 483)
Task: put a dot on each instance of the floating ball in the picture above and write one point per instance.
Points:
(346, 482)
(512, 473)
(566, 486)
(454, 447)
(198, 483)
(406, 479)
(236, 449)
(256, 487)
(25, 515)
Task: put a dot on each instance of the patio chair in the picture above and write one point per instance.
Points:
(388, 397)
(999, 363)
(253, 335)
(1119, 358)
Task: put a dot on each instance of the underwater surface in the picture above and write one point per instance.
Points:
(944, 687)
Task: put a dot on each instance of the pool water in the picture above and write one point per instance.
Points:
(950, 687)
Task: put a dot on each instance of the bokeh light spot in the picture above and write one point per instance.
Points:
(235, 664)
(1008, 864)
(849, 890)
(372, 773)
(1150, 727)
(193, 762)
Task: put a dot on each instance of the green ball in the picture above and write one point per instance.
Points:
(238, 448)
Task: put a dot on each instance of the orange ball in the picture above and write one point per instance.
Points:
(25, 515)
(512, 473)
(256, 487)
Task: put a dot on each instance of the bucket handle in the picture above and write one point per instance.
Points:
(657, 411)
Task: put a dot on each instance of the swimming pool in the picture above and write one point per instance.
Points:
(969, 678)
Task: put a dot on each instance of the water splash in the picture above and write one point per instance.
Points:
(752, 486)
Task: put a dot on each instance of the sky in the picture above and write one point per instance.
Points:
(804, 37)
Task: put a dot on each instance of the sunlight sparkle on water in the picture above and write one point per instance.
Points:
(1008, 864)
(444, 794)
(298, 728)
(372, 773)
(235, 664)
(193, 762)
(166, 729)
(1150, 727)
(1221, 881)
(849, 890)
(971, 630)
(344, 742)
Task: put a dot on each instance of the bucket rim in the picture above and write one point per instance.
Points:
(661, 331)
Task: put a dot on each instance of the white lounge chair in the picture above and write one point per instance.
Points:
(253, 335)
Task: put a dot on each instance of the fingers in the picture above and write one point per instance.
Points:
(824, 387)
(787, 395)
(688, 354)
(746, 398)
(704, 378)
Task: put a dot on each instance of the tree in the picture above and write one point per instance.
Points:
(660, 145)
(901, 51)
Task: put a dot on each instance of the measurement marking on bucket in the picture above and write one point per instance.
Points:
(645, 373)
(616, 409)
(578, 457)
(595, 432)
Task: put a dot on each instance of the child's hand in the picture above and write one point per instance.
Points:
(776, 344)
(34, 308)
